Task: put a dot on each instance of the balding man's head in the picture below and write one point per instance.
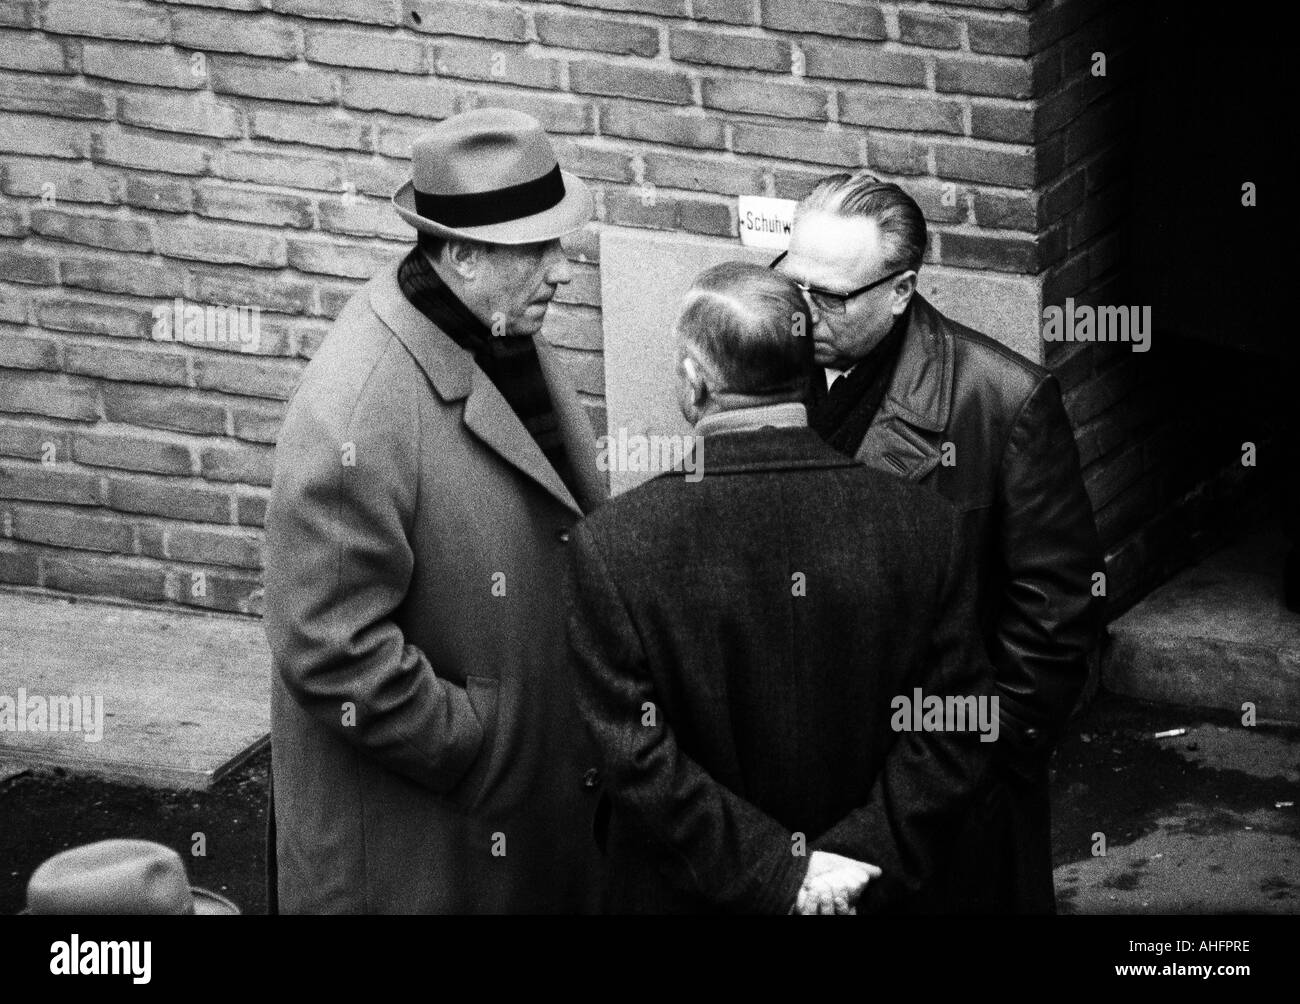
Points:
(744, 338)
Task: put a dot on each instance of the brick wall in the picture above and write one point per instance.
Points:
(242, 152)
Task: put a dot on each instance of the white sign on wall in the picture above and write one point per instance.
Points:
(765, 222)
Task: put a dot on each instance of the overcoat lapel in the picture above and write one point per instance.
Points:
(455, 376)
(906, 436)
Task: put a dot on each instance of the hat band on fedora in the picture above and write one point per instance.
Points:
(477, 209)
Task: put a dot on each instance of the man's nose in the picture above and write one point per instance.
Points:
(558, 269)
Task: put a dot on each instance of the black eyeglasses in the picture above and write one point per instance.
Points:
(828, 301)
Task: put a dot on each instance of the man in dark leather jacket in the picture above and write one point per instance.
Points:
(920, 395)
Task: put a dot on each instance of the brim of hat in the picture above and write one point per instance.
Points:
(566, 216)
(208, 904)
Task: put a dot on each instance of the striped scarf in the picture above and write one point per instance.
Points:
(510, 362)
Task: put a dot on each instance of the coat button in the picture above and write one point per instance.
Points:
(1031, 734)
(591, 778)
(563, 536)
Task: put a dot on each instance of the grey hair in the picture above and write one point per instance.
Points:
(753, 325)
(901, 222)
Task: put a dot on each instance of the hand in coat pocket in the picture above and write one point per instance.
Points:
(482, 693)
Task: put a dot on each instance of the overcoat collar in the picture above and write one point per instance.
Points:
(906, 436)
(455, 376)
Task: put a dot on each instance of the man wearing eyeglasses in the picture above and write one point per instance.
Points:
(911, 391)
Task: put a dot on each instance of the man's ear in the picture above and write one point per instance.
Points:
(464, 257)
(904, 287)
(695, 377)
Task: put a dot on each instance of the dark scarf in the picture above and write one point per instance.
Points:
(842, 415)
(510, 362)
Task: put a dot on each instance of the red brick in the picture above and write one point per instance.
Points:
(501, 64)
(1011, 166)
(475, 18)
(190, 113)
(152, 65)
(242, 462)
(19, 14)
(156, 408)
(32, 52)
(840, 18)
(559, 113)
(585, 287)
(715, 48)
(578, 31)
(247, 375)
(666, 8)
(698, 216)
(837, 148)
(252, 506)
(1003, 37)
(288, 169)
(335, 257)
(730, 11)
(795, 182)
(276, 82)
(44, 137)
(638, 122)
(1000, 254)
(928, 30)
(19, 566)
(252, 205)
(377, 175)
(106, 19)
(13, 303)
(1002, 210)
(891, 153)
(361, 11)
(760, 97)
(135, 451)
(40, 394)
(29, 266)
(101, 575)
(257, 421)
(12, 222)
(34, 482)
(364, 49)
(586, 369)
(159, 192)
(630, 82)
(248, 36)
(593, 162)
(331, 129)
(202, 242)
(175, 498)
(72, 182)
(27, 353)
(95, 317)
(701, 174)
(34, 440)
(69, 528)
(846, 61)
(228, 284)
(626, 207)
(362, 218)
(233, 592)
(115, 232)
(425, 97)
(151, 153)
(143, 363)
(909, 113)
(1007, 122)
(213, 546)
(51, 97)
(574, 327)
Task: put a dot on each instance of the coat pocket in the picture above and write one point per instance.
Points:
(483, 693)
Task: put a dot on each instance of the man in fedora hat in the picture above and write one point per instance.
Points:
(120, 877)
(427, 756)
